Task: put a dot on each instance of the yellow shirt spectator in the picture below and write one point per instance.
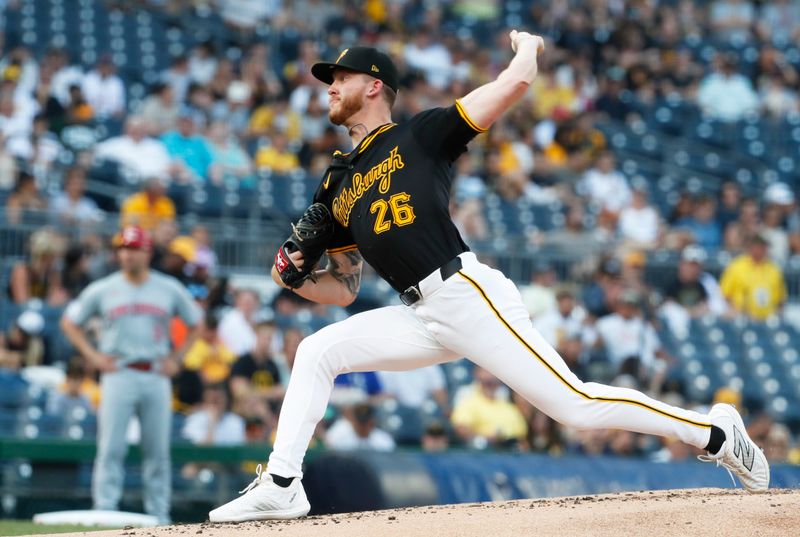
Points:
(753, 284)
(492, 418)
(212, 360)
(146, 210)
(276, 159)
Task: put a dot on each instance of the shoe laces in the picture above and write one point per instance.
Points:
(730, 469)
(255, 482)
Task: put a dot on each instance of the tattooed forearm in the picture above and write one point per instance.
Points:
(346, 268)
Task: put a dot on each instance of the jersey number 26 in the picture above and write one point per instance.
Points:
(402, 212)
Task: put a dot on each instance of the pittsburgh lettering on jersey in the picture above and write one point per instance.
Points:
(381, 173)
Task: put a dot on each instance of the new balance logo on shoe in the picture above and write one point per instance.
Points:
(743, 450)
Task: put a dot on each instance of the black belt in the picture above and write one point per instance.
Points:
(412, 294)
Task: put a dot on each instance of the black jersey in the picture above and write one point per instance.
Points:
(390, 196)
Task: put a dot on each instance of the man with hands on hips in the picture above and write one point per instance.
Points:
(136, 363)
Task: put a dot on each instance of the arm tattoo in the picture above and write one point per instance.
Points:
(347, 269)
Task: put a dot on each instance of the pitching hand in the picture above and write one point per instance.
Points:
(519, 37)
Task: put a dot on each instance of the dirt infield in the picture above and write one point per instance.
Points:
(662, 513)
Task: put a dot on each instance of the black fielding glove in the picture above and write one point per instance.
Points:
(310, 235)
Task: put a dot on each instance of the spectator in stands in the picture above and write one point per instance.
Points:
(753, 284)
(8, 166)
(729, 204)
(255, 374)
(779, 21)
(160, 109)
(104, 90)
(202, 63)
(277, 157)
(413, 388)
(732, 20)
(39, 278)
(234, 109)
(742, 231)
(64, 75)
(779, 201)
(24, 199)
(292, 336)
(539, 295)
(70, 398)
(725, 94)
(213, 423)
(189, 151)
(772, 230)
(148, 207)
(79, 110)
(429, 56)
(565, 326)
(39, 147)
(228, 159)
(71, 206)
(177, 77)
(605, 185)
(138, 153)
(208, 355)
(357, 429)
(702, 224)
(631, 343)
(20, 345)
(435, 439)
(75, 273)
(236, 326)
(600, 294)
(685, 296)
(639, 223)
(485, 417)
(244, 16)
(778, 444)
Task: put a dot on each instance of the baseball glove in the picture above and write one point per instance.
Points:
(310, 235)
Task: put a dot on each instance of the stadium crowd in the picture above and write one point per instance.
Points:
(242, 108)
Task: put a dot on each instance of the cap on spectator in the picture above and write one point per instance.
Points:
(435, 428)
(779, 194)
(565, 291)
(134, 237)
(30, 322)
(611, 266)
(729, 396)
(185, 247)
(367, 60)
(186, 112)
(635, 258)
(693, 254)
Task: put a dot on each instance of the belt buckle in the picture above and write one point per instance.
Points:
(410, 295)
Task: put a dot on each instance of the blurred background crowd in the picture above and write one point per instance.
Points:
(642, 195)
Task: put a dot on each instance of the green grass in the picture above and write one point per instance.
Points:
(26, 527)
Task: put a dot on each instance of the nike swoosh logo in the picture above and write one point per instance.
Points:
(327, 180)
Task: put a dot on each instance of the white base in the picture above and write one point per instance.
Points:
(91, 517)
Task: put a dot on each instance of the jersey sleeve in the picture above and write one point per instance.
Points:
(185, 306)
(86, 305)
(445, 132)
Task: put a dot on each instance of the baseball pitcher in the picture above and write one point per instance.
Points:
(388, 201)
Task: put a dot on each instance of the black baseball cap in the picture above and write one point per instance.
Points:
(367, 60)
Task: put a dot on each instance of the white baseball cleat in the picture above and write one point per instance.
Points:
(264, 500)
(738, 454)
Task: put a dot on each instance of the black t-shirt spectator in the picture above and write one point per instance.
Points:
(687, 294)
(261, 375)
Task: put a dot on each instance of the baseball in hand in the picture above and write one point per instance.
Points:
(518, 37)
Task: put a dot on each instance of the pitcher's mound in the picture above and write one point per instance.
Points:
(658, 513)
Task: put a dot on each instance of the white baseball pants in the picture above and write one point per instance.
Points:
(478, 314)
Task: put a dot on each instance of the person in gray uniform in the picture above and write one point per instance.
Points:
(136, 361)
